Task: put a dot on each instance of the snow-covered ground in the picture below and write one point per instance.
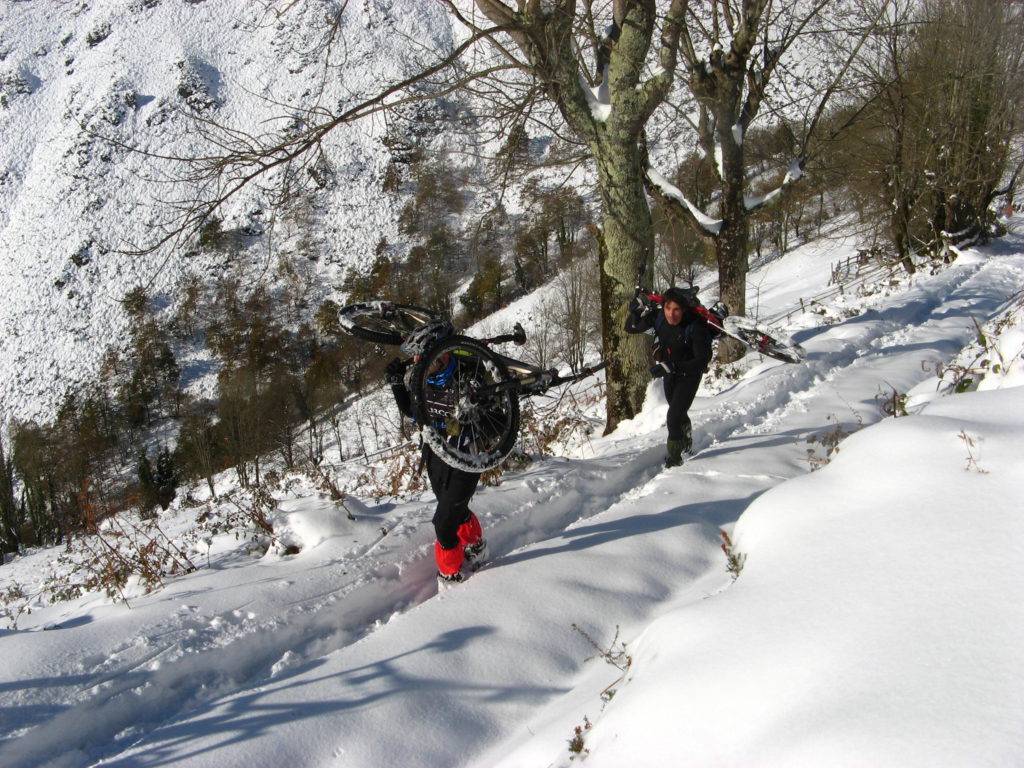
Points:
(877, 619)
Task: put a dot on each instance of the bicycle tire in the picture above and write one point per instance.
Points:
(383, 322)
(465, 431)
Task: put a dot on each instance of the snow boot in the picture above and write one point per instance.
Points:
(474, 546)
(476, 554)
(674, 456)
(449, 580)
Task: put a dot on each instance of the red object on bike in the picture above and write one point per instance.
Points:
(713, 320)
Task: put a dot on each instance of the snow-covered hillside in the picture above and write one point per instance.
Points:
(876, 619)
(72, 204)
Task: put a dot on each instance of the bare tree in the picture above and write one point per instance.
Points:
(542, 340)
(608, 67)
(578, 322)
(601, 71)
(605, 91)
(941, 107)
(737, 54)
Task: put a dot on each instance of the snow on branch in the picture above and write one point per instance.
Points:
(737, 134)
(667, 188)
(796, 170)
(597, 98)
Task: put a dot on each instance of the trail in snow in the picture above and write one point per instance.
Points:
(199, 681)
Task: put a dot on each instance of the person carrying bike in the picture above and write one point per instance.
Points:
(682, 351)
(459, 535)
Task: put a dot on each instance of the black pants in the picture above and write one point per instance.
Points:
(680, 391)
(453, 489)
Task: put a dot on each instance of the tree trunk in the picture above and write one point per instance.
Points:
(731, 243)
(626, 245)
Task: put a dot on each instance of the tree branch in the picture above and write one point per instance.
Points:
(246, 157)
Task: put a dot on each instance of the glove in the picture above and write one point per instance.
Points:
(396, 370)
(661, 369)
(639, 305)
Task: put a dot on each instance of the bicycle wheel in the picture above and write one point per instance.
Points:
(773, 345)
(467, 422)
(382, 322)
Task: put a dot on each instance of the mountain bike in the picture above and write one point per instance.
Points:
(465, 395)
(770, 343)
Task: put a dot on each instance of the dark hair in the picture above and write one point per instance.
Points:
(684, 297)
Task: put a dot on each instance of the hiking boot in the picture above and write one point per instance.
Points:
(674, 454)
(448, 580)
(476, 554)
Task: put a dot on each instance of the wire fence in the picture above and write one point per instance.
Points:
(867, 266)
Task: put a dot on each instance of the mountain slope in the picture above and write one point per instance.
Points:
(81, 82)
(871, 623)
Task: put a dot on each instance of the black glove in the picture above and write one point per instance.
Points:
(639, 305)
(661, 369)
(396, 370)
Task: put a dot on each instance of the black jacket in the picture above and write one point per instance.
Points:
(685, 348)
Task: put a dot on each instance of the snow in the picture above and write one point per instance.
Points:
(598, 97)
(793, 173)
(714, 226)
(876, 620)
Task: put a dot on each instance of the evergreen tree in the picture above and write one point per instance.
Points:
(165, 478)
(10, 514)
(147, 482)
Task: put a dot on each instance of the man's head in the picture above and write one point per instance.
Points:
(676, 301)
(442, 368)
(440, 363)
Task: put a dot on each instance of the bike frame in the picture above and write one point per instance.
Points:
(532, 380)
(529, 379)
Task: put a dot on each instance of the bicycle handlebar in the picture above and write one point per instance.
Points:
(641, 291)
(517, 337)
(589, 370)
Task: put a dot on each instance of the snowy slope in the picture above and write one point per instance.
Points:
(876, 622)
(73, 205)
